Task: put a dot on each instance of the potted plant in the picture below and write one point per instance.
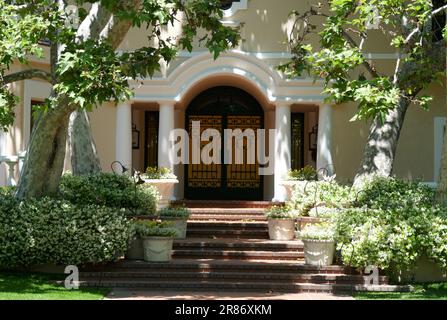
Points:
(319, 243)
(135, 249)
(178, 216)
(281, 223)
(158, 239)
(164, 180)
(298, 178)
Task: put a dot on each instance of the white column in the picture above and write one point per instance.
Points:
(324, 151)
(166, 125)
(123, 152)
(282, 148)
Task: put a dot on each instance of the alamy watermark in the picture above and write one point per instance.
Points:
(72, 280)
(240, 147)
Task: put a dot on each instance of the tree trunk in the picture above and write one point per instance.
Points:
(45, 156)
(441, 192)
(380, 149)
(84, 157)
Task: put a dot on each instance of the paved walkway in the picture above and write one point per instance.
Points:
(131, 294)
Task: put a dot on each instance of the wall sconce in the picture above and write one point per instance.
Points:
(313, 139)
(135, 137)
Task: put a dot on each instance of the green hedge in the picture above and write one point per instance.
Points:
(111, 190)
(59, 232)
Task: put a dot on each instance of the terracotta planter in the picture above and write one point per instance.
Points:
(319, 252)
(281, 229)
(180, 224)
(165, 188)
(135, 250)
(157, 249)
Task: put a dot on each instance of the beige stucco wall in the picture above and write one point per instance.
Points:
(415, 151)
(103, 123)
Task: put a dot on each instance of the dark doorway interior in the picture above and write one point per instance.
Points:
(151, 139)
(297, 141)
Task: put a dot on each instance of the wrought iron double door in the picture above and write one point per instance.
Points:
(225, 181)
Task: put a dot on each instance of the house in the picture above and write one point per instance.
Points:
(240, 90)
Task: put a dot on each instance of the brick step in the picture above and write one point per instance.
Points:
(244, 245)
(222, 217)
(241, 255)
(225, 203)
(231, 276)
(227, 233)
(203, 285)
(231, 225)
(205, 265)
(228, 211)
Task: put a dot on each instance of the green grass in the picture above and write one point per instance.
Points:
(433, 291)
(26, 286)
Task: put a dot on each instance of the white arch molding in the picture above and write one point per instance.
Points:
(237, 64)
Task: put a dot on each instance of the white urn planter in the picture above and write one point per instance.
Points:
(179, 224)
(319, 252)
(157, 249)
(165, 188)
(281, 229)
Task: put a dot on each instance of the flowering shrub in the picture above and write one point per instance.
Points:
(111, 190)
(59, 232)
(321, 231)
(386, 193)
(280, 212)
(329, 194)
(158, 173)
(154, 229)
(303, 174)
(394, 238)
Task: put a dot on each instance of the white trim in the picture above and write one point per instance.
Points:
(439, 125)
(287, 55)
(33, 90)
(237, 64)
(235, 7)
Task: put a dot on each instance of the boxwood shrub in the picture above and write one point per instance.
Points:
(111, 190)
(54, 231)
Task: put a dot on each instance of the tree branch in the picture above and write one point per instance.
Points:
(365, 63)
(418, 28)
(26, 74)
(115, 30)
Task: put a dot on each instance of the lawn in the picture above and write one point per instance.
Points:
(25, 286)
(433, 291)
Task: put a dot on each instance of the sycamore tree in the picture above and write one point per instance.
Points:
(342, 27)
(87, 70)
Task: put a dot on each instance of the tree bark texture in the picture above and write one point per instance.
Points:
(44, 160)
(380, 150)
(84, 156)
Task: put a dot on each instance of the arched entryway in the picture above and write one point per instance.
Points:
(223, 108)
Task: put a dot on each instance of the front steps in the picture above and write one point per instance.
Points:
(227, 248)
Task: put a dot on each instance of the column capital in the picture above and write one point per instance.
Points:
(283, 103)
(166, 102)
